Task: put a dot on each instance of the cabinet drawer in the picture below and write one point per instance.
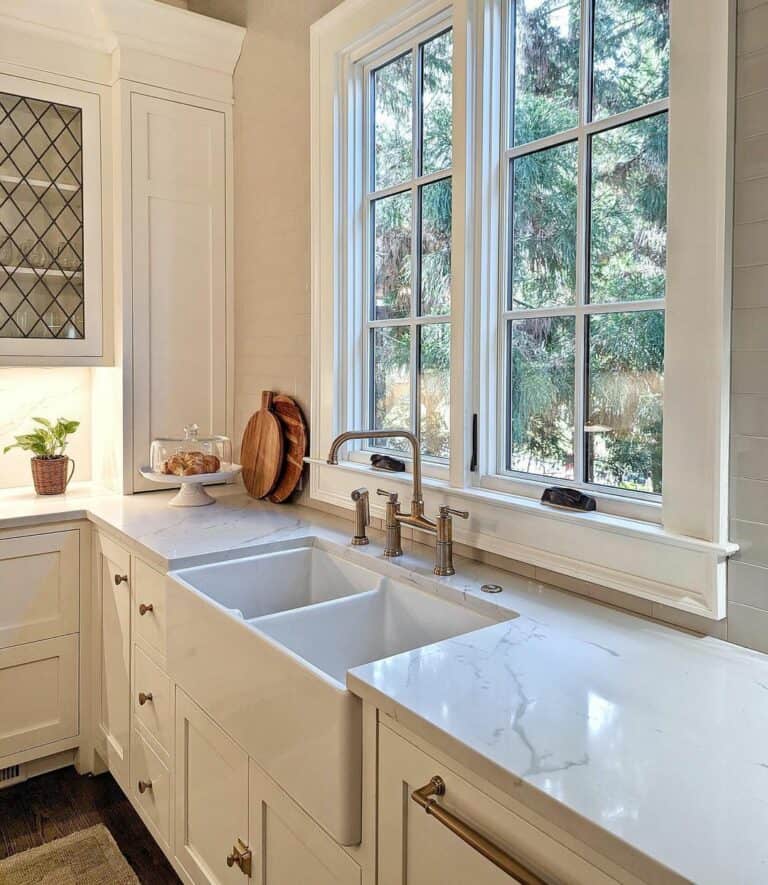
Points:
(149, 606)
(153, 687)
(416, 847)
(151, 785)
(39, 587)
(38, 694)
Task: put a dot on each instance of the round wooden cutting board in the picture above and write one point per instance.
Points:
(262, 450)
(295, 438)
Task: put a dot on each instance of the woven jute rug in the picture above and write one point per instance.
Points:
(88, 857)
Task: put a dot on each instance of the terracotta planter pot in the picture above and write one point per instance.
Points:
(50, 474)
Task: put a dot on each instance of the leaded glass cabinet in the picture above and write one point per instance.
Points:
(50, 223)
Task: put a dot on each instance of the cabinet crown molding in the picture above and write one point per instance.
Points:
(106, 26)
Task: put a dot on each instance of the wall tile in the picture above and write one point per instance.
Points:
(752, 33)
(750, 328)
(749, 372)
(751, 115)
(748, 626)
(748, 584)
(750, 245)
(749, 457)
(752, 538)
(749, 415)
(752, 158)
(744, 5)
(750, 284)
(752, 73)
(751, 197)
(749, 500)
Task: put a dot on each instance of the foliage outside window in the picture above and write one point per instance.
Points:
(408, 249)
(585, 182)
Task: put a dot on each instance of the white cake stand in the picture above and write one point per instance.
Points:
(191, 493)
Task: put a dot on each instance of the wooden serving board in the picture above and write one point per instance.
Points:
(262, 450)
(295, 439)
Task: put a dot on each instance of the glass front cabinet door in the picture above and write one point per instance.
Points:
(50, 223)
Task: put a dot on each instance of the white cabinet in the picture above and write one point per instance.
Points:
(113, 607)
(51, 263)
(211, 796)
(416, 847)
(179, 270)
(40, 581)
(38, 694)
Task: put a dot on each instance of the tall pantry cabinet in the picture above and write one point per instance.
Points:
(116, 213)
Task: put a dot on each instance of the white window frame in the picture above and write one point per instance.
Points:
(491, 402)
(672, 552)
(411, 43)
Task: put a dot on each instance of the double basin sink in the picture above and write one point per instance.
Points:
(263, 644)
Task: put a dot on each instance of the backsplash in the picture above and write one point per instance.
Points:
(50, 393)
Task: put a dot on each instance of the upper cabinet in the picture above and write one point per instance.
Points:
(51, 286)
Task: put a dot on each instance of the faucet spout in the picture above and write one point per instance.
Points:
(417, 503)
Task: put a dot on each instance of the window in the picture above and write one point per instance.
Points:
(584, 177)
(408, 205)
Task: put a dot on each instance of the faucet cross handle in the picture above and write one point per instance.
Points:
(393, 496)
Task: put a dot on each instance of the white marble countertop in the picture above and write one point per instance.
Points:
(642, 741)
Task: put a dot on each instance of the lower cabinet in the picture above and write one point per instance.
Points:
(233, 823)
(211, 801)
(417, 847)
(38, 694)
(151, 787)
(113, 604)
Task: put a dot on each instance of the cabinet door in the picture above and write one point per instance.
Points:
(114, 620)
(288, 846)
(415, 847)
(179, 181)
(38, 694)
(211, 796)
(50, 211)
(40, 577)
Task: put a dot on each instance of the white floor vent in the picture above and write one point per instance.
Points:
(13, 774)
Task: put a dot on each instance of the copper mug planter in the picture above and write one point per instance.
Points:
(50, 474)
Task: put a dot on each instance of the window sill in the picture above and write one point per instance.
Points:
(624, 554)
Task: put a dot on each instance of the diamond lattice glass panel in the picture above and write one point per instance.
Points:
(41, 219)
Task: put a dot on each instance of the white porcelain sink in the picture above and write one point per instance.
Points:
(263, 645)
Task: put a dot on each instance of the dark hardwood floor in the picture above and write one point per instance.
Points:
(54, 805)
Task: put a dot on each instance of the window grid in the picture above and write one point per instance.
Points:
(414, 187)
(581, 309)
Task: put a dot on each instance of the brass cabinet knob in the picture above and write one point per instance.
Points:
(121, 579)
(144, 786)
(242, 857)
(143, 609)
(144, 697)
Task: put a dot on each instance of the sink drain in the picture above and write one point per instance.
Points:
(491, 588)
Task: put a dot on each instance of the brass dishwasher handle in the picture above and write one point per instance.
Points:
(425, 797)
(143, 609)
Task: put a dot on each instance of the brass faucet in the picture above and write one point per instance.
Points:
(395, 519)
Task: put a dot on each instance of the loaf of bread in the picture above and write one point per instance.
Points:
(191, 464)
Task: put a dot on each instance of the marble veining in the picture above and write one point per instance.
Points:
(647, 743)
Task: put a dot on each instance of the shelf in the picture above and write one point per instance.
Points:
(41, 184)
(38, 271)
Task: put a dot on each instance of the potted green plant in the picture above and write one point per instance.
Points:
(49, 463)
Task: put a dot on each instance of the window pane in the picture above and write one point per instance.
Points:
(391, 374)
(544, 227)
(393, 123)
(546, 81)
(392, 259)
(625, 398)
(436, 248)
(541, 365)
(435, 389)
(437, 103)
(629, 212)
(630, 56)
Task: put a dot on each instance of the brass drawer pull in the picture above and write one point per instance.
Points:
(121, 579)
(242, 857)
(143, 609)
(144, 697)
(426, 797)
(144, 786)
